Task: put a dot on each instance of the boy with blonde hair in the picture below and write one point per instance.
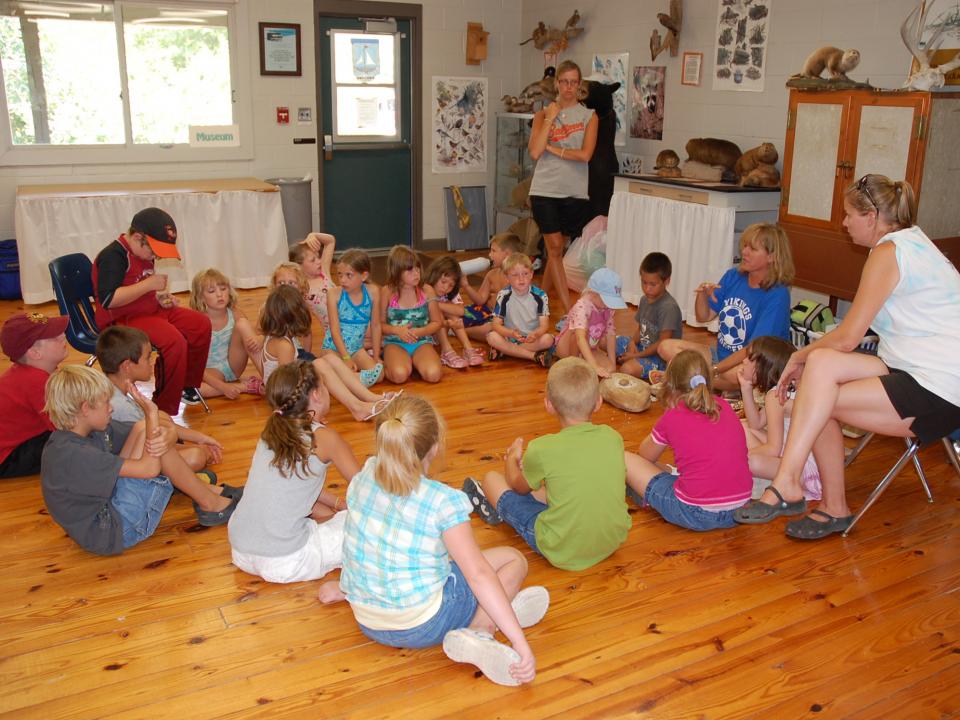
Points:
(477, 317)
(101, 478)
(521, 316)
(566, 497)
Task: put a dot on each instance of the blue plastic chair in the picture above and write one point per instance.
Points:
(73, 286)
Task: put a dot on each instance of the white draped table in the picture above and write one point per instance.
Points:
(700, 237)
(233, 224)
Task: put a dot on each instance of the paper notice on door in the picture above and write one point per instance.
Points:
(368, 112)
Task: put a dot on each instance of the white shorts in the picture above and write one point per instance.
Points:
(322, 553)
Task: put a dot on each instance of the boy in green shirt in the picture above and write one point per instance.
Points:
(566, 497)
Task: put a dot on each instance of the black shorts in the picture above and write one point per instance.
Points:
(24, 459)
(566, 216)
(934, 417)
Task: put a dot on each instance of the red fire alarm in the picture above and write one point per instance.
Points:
(283, 116)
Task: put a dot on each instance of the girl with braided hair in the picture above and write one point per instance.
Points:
(291, 529)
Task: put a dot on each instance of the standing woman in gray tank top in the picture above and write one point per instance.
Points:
(562, 142)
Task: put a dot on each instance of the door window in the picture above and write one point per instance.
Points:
(366, 93)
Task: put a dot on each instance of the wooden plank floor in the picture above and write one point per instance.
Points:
(731, 624)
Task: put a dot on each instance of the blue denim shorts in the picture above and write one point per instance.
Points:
(456, 611)
(520, 512)
(661, 497)
(140, 502)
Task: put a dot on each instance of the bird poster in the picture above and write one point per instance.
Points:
(459, 124)
(743, 27)
(613, 68)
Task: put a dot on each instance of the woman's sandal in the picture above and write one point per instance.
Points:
(807, 528)
(452, 360)
(757, 512)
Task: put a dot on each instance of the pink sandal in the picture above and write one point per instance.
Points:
(452, 360)
(253, 385)
(474, 357)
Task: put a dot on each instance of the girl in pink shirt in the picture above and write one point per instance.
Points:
(709, 448)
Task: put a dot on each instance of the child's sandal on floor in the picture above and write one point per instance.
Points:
(473, 357)
(452, 360)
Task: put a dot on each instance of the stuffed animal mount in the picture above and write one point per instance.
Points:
(625, 392)
(757, 167)
(668, 164)
(542, 91)
(672, 22)
(836, 62)
(554, 40)
(924, 76)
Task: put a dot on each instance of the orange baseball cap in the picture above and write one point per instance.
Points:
(159, 229)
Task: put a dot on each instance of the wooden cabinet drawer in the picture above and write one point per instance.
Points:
(671, 193)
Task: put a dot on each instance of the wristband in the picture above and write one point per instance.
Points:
(348, 358)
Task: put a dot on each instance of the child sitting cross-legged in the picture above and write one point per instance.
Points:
(412, 571)
(124, 356)
(566, 496)
(521, 315)
(287, 528)
(107, 483)
(709, 448)
(444, 276)
(589, 332)
(478, 317)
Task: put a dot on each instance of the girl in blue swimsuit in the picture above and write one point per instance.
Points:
(409, 317)
(354, 314)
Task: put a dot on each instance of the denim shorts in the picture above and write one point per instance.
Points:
(661, 497)
(456, 611)
(520, 512)
(140, 502)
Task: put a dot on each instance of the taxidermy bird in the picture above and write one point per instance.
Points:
(672, 22)
(557, 39)
(926, 77)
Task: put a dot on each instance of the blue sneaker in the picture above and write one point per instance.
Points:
(561, 323)
(371, 377)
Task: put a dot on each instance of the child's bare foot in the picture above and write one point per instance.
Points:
(330, 592)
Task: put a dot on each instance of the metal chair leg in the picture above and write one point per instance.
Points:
(912, 447)
(207, 407)
(856, 449)
(952, 450)
(920, 473)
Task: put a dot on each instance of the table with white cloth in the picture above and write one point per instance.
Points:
(697, 226)
(233, 224)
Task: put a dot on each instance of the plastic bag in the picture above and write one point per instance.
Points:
(586, 254)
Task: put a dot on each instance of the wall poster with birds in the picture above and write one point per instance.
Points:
(459, 111)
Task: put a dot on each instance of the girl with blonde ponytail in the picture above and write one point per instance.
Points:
(712, 477)
(412, 571)
(291, 529)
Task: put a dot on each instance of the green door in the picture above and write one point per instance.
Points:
(365, 143)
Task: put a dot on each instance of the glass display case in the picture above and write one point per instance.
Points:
(514, 164)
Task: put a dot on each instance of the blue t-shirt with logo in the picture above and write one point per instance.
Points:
(745, 313)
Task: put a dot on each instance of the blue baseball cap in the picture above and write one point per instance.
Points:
(608, 285)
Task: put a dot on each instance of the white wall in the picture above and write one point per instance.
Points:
(275, 155)
(797, 27)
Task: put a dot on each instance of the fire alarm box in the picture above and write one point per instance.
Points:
(283, 116)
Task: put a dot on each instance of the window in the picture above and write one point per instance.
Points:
(115, 75)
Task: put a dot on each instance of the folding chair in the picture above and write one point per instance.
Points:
(913, 445)
(72, 280)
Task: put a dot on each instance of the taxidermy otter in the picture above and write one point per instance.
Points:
(838, 62)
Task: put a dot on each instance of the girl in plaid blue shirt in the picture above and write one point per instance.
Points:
(412, 571)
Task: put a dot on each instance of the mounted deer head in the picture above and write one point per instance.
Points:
(926, 77)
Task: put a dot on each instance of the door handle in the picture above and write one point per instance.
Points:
(328, 147)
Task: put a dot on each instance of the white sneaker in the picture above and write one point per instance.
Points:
(479, 648)
(530, 605)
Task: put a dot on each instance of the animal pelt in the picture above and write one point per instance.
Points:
(765, 153)
(836, 61)
(604, 163)
(543, 90)
(514, 104)
(763, 175)
(626, 392)
(667, 164)
(696, 170)
(713, 151)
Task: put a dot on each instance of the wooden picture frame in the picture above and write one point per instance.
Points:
(691, 68)
(280, 49)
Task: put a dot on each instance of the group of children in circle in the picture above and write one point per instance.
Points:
(411, 568)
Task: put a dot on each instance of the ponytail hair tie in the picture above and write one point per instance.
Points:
(279, 412)
(697, 380)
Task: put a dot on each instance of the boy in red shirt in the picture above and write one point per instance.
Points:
(37, 345)
(129, 292)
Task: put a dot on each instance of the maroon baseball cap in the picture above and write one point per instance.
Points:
(22, 330)
(159, 229)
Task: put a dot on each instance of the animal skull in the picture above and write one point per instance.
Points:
(926, 77)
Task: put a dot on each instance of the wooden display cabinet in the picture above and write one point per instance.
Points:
(834, 138)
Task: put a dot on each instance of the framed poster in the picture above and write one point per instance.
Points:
(613, 67)
(743, 27)
(692, 62)
(280, 49)
(647, 100)
(459, 109)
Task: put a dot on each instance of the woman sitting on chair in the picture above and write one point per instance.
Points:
(909, 294)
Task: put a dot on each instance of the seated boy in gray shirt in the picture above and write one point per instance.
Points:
(658, 318)
(101, 478)
(521, 316)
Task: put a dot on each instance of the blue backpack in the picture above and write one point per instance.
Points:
(9, 270)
